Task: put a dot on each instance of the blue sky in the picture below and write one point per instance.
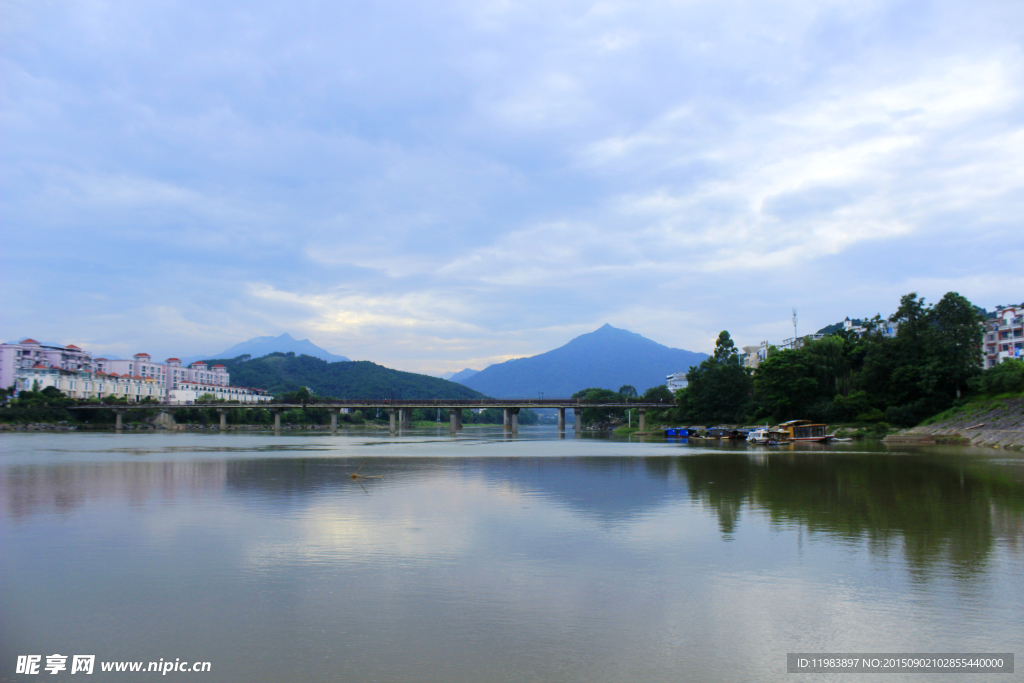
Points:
(439, 185)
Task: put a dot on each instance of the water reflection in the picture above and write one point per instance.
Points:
(937, 509)
(933, 509)
(651, 564)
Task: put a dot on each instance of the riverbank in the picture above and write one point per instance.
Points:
(995, 422)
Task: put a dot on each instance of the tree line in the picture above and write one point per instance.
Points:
(933, 361)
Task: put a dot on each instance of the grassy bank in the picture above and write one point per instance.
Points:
(1001, 408)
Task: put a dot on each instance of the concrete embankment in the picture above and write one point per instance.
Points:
(997, 424)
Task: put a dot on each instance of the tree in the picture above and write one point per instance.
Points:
(958, 325)
(719, 389)
(627, 391)
(786, 385)
(725, 349)
(602, 413)
(912, 316)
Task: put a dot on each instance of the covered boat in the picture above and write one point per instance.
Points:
(806, 431)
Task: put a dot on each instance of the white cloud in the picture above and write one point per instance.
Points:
(483, 180)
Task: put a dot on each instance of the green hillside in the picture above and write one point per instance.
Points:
(283, 372)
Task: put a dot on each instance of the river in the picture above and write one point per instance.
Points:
(489, 557)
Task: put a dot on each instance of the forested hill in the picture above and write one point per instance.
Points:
(281, 372)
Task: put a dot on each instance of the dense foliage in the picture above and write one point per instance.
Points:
(719, 389)
(280, 373)
(934, 359)
(625, 393)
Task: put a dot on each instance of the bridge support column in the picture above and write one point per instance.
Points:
(334, 420)
(578, 415)
(643, 418)
(223, 412)
(453, 419)
(391, 420)
(404, 418)
(165, 418)
(561, 419)
(515, 420)
(277, 418)
(118, 420)
(506, 418)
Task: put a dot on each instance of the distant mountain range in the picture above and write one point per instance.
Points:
(606, 358)
(261, 346)
(460, 376)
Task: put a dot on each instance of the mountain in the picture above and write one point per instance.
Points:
(261, 346)
(281, 372)
(461, 376)
(607, 358)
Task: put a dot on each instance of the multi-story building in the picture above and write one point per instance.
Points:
(29, 365)
(28, 353)
(1003, 335)
(676, 381)
(83, 385)
(170, 372)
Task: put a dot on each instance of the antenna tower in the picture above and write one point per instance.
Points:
(794, 325)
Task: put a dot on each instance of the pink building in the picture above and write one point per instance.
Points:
(29, 353)
(170, 373)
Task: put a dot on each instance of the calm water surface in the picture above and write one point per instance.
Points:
(486, 558)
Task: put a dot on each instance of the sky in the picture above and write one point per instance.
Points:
(434, 186)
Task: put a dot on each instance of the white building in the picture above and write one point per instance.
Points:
(887, 329)
(85, 385)
(676, 381)
(189, 392)
(28, 364)
(1004, 336)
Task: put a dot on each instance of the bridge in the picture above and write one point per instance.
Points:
(399, 411)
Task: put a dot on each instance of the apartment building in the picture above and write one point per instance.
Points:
(1003, 336)
(84, 385)
(29, 353)
(170, 372)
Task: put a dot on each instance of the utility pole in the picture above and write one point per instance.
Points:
(794, 327)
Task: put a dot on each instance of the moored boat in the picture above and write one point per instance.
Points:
(724, 432)
(805, 431)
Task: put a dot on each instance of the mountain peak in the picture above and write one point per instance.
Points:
(608, 357)
(261, 346)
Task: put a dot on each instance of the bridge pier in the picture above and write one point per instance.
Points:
(506, 414)
(334, 420)
(643, 418)
(277, 418)
(391, 420)
(561, 420)
(165, 418)
(118, 421)
(223, 412)
(515, 420)
(578, 415)
(453, 420)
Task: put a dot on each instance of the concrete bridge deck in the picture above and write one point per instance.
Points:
(399, 411)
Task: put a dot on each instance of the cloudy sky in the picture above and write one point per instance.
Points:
(439, 185)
